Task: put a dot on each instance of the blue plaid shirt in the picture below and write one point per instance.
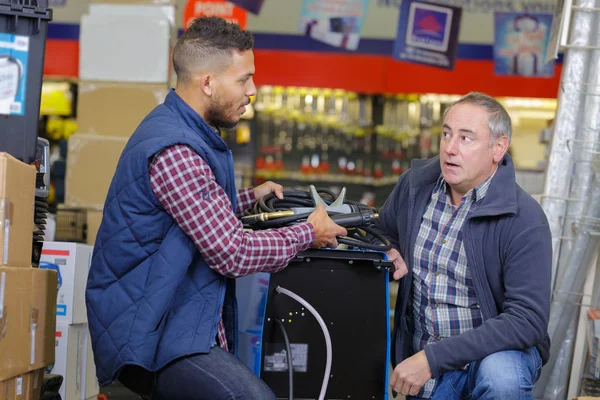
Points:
(443, 299)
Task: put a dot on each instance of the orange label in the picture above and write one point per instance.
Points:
(594, 313)
(218, 8)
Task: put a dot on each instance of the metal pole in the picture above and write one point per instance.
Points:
(571, 257)
(570, 103)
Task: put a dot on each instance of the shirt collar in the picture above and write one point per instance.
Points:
(477, 194)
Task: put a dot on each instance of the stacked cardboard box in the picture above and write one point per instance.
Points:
(27, 295)
(125, 70)
(74, 358)
(593, 334)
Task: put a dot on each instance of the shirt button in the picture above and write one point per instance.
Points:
(444, 241)
(437, 274)
(440, 337)
(435, 305)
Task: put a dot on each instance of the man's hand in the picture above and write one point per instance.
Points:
(325, 229)
(268, 187)
(411, 374)
(400, 268)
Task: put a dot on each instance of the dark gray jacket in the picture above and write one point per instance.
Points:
(509, 251)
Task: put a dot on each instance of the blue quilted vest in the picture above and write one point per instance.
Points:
(151, 298)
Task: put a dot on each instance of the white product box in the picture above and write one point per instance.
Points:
(134, 10)
(125, 48)
(75, 362)
(72, 262)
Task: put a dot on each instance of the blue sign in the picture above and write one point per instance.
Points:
(489, 7)
(61, 310)
(427, 34)
(521, 44)
(253, 6)
(335, 22)
(14, 55)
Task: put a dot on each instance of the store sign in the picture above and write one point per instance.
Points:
(335, 22)
(218, 8)
(253, 6)
(521, 44)
(427, 34)
(487, 6)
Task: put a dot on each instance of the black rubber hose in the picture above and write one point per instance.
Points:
(365, 238)
(288, 349)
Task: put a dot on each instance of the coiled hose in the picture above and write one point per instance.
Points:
(270, 212)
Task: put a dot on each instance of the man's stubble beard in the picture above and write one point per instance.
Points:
(217, 114)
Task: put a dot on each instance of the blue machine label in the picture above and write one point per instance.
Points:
(14, 55)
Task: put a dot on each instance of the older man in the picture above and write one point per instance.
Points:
(473, 307)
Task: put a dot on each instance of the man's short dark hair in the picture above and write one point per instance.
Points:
(207, 45)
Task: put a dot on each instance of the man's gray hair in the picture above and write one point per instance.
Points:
(499, 121)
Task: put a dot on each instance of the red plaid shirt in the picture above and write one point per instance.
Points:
(186, 187)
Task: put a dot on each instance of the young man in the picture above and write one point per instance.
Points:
(161, 295)
(473, 307)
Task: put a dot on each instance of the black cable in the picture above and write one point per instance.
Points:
(288, 349)
(358, 223)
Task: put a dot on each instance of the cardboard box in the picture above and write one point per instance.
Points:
(16, 388)
(135, 10)
(70, 224)
(43, 318)
(94, 219)
(125, 48)
(26, 386)
(74, 361)
(17, 201)
(91, 164)
(116, 109)
(34, 382)
(15, 346)
(27, 319)
(72, 263)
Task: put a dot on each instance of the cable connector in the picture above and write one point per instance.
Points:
(359, 219)
(266, 216)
